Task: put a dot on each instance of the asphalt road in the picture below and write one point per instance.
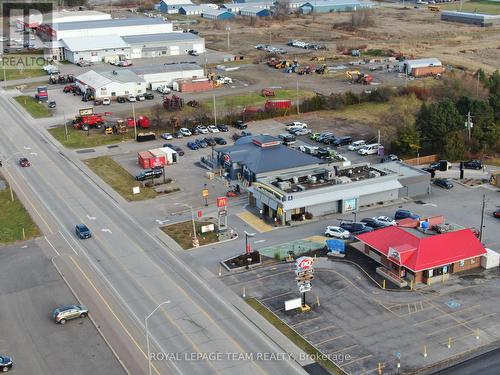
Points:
(485, 364)
(124, 272)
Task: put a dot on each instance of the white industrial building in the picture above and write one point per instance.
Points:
(120, 27)
(165, 44)
(34, 20)
(406, 66)
(165, 75)
(95, 48)
(111, 84)
(194, 10)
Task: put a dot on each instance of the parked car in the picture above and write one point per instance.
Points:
(496, 213)
(185, 132)
(341, 141)
(386, 220)
(124, 63)
(443, 182)
(202, 129)
(302, 131)
(192, 52)
(296, 124)
(24, 162)
(239, 124)
(140, 98)
(220, 141)
(389, 158)
(82, 231)
(6, 363)
(193, 145)
(337, 232)
(178, 134)
(405, 214)
(323, 136)
(149, 174)
(355, 228)
(52, 104)
(132, 98)
(179, 150)
(373, 223)
(194, 131)
(121, 99)
(201, 143)
(328, 139)
(210, 141)
(223, 128)
(473, 164)
(167, 136)
(441, 165)
(106, 101)
(67, 312)
(149, 96)
(369, 149)
(213, 129)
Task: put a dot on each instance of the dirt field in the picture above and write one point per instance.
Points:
(412, 31)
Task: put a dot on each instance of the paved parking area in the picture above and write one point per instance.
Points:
(359, 326)
(30, 288)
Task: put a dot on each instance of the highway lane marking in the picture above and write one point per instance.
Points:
(106, 230)
(52, 246)
(91, 217)
(161, 222)
(112, 312)
(259, 241)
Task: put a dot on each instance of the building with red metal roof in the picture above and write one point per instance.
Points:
(416, 257)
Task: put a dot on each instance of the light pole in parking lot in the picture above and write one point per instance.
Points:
(135, 124)
(147, 332)
(228, 29)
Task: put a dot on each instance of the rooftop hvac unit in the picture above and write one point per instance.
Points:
(329, 175)
(295, 179)
(301, 188)
(284, 185)
(374, 174)
(341, 180)
(312, 179)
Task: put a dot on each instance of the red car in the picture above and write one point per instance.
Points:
(496, 214)
(23, 162)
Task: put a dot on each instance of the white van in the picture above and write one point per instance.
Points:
(355, 146)
(369, 149)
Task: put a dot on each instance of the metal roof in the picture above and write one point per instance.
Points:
(165, 68)
(192, 8)
(330, 3)
(115, 22)
(470, 15)
(176, 2)
(216, 12)
(163, 37)
(92, 43)
(93, 79)
(122, 75)
(420, 63)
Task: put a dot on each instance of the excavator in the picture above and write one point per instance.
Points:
(355, 76)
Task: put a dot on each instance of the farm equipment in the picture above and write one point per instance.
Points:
(282, 64)
(308, 69)
(355, 76)
(173, 103)
(141, 122)
(71, 88)
(61, 79)
(268, 92)
(193, 103)
(87, 121)
(317, 58)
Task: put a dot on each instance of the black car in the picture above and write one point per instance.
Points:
(149, 174)
(373, 223)
(5, 363)
(179, 150)
(432, 171)
(121, 99)
(405, 214)
(443, 182)
(441, 165)
(149, 96)
(341, 141)
(223, 128)
(328, 140)
(52, 104)
(473, 164)
(210, 141)
(194, 131)
(220, 141)
(355, 228)
(240, 125)
(178, 134)
(82, 231)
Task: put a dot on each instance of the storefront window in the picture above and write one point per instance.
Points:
(462, 263)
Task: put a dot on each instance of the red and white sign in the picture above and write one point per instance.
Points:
(304, 263)
(226, 158)
(221, 202)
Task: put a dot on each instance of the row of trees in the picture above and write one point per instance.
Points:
(441, 126)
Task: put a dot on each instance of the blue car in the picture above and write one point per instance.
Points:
(405, 214)
(82, 231)
(6, 363)
(193, 145)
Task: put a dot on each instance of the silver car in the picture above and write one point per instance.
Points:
(67, 312)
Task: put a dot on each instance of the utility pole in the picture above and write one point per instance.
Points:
(65, 127)
(228, 29)
(215, 113)
(135, 123)
(298, 103)
(477, 83)
(468, 124)
(482, 219)
(378, 136)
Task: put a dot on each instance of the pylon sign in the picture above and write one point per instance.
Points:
(304, 272)
(304, 263)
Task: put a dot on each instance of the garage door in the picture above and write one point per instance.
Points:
(174, 50)
(136, 53)
(94, 58)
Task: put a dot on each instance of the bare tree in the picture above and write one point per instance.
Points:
(157, 112)
(281, 10)
(361, 18)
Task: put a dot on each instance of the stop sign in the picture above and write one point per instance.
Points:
(305, 263)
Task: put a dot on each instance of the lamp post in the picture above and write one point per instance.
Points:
(195, 238)
(228, 29)
(135, 123)
(147, 333)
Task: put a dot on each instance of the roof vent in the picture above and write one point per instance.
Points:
(295, 179)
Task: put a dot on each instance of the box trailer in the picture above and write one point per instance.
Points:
(277, 104)
(427, 71)
(147, 160)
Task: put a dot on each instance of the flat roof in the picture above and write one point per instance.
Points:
(92, 43)
(163, 37)
(114, 22)
(165, 68)
(402, 169)
(122, 75)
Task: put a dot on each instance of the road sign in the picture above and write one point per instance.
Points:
(306, 287)
(86, 111)
(304, 263)
(301, 272)
(204, 193)
(305, 278)
(221, 202)
(293, 304)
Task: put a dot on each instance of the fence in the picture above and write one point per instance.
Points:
(422, 160)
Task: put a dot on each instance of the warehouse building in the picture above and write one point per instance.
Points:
(111, 84)
(193, 10)
(120, 27)
(173, 6)
(164, 44)
(252, 11)
(165, 75)
(414, 181)
(95, 48)
(330, 6)
(409, 256)
(478, 19)
(421, 67)
(33, 21)
(218, 14)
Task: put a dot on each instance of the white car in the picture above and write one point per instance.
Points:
(163, 90)
(337, 232)
(296, 124)
(185, 132)
(167, 136)
(131, 98)
(213, 129)
(301, 131)
(140, 97)
(355, 146)
(224, 80)
(386, 220)
(106, 101)
(202, 129)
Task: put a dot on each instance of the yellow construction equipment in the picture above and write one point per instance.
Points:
(120, 127)
(352, 74)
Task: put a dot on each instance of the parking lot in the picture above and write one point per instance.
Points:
(360, 326)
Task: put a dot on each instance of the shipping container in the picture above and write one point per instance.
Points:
(426, 71)
(193, 85)
(278, 104)
(148, 160)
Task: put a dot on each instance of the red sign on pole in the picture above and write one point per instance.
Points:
(221, 202)
(248, 249)
(200, 214)
(305, 263)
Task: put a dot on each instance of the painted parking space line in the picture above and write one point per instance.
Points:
(355, 360)
(276, 296)
(329, 340)
(476, 319)
(304, 321)
(318, 330)
(442, 316)
(344, 349)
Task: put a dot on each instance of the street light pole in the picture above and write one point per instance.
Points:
(247, 248)
(135, 123)
(147, 333)
(228, 29)
(195, 238)
(482, 219)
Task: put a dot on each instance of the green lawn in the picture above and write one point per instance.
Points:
(35, 109)
(118, 178)
(480, 6)
(12, 74)
(79, 139)
(292, 335)
(254, 99)
(13, 218)
(182, 233)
